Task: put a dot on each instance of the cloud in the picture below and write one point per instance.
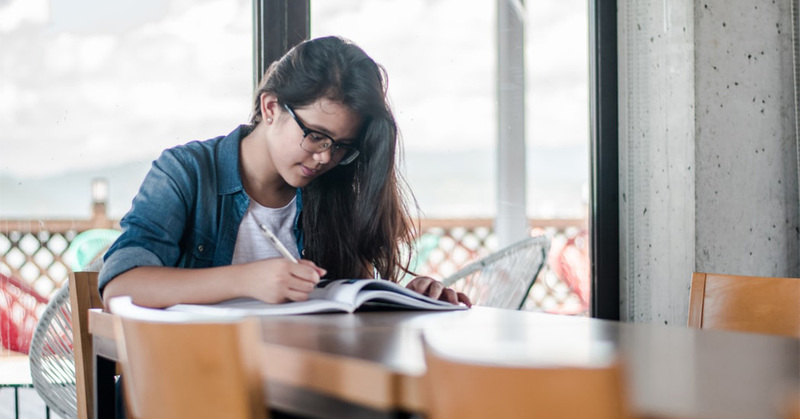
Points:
(96, 96)
(16, 13)
(441, 61)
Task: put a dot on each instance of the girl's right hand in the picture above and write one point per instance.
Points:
(278, 280)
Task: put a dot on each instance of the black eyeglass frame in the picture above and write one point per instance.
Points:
(350, 152)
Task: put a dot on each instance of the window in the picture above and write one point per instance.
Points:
(441, 60)
(94, 89)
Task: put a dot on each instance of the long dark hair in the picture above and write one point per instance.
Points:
(354, 216)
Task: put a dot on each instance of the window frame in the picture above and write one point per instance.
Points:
(278, 25)
(604, 160)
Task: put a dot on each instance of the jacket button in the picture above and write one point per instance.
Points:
(200, 248)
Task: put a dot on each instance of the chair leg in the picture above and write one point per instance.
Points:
(16, 402)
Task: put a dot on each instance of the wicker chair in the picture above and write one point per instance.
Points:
(51, 356)
(504, 278)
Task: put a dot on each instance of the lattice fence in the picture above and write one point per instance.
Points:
(563, 285)
(35, 252)
(37, 258)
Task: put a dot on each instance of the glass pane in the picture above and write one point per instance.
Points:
(557, 105)
(430, 53)
(441, 60)
(95, 89)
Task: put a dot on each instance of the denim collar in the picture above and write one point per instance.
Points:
(230, 180)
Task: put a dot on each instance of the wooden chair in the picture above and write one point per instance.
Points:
(504, 278)
(745, 303)
(464, 390)
(792, 409)
(176, 366)
(83, 295)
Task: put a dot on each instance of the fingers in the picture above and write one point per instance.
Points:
(278, 280)
(434, 289)
(301, 284)
(303, 278)
(449, 295)
(420, 284)
(305, 271)
(464, 299)
(453, 297)
(320, 271)
(295, 295)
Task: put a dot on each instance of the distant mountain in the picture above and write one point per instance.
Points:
(462, 183)
(68, 195)
(446, 184)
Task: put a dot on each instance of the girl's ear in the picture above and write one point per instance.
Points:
(269, 106)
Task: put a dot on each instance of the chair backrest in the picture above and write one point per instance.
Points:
(51, 356)
(464, 390)
(84, 295)
(176, 368)
(504, 278)
(20, 307)
(88, 248)
(61, 348)
(745, 303)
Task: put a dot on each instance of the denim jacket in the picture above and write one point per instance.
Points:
(188, 210)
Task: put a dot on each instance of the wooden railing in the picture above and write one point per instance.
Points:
(35, 251)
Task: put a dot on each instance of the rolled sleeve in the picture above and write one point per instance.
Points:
(153, 228)
(124, 260)
(187, 211)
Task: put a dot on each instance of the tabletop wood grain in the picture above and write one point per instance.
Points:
(375, 359)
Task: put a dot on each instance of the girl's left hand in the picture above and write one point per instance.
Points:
(434, 289)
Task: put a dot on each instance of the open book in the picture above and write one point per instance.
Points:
(341, 295)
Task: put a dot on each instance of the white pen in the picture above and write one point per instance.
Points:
(277, 243)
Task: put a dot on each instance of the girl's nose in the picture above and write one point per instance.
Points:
(323, 157)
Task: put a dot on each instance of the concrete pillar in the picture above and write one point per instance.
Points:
(512, 223)
(708, 161)
(747, 202)
(657, 165)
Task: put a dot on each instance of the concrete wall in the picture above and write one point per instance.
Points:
(708, 153)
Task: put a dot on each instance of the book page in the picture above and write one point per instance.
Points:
(342, 290)
(253, 307)
(385, 291)
(343, 295)
(356, 292)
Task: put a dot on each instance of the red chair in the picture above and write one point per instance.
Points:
(20, 308)
(570, 262)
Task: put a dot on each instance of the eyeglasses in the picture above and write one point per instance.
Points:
(317, 142)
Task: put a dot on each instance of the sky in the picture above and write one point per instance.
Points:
(88, 84)
(116, 87)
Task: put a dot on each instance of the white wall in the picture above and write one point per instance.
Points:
(708, 153)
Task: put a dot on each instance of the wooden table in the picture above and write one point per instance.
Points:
(370, 364)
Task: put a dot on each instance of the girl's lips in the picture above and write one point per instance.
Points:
(308, 172)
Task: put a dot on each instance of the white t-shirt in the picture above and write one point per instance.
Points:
(251, 245)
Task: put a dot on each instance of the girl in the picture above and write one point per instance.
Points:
(316, 165)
